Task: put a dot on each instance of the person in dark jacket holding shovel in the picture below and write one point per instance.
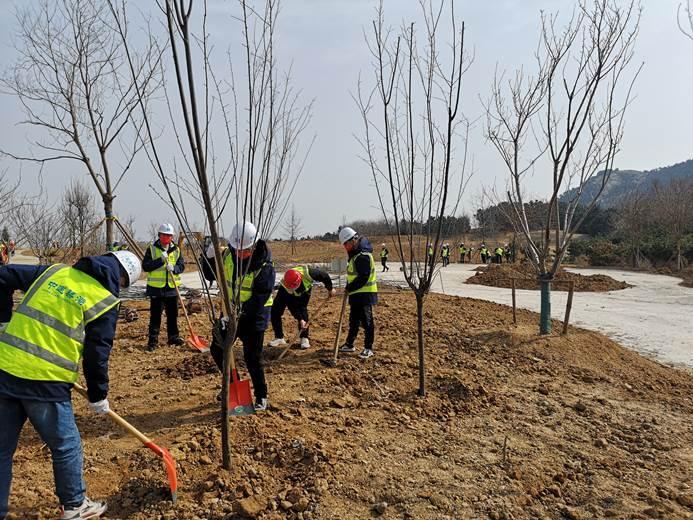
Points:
(362, 289)
(250, 280)
(294, 293)
(67, 315)
(164, 263)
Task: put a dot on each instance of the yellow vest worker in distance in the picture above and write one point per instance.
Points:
(67, 315)
(293, 293)
(250, 280)
(163, 261)
(384, 253)
(362, 289)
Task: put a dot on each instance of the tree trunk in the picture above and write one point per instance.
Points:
(545, 316)
(420, 336)
(108, 211)
(679, 260)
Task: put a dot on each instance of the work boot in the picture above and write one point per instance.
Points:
(152, 344)
(277, 342)
(88, 509)
(305, 343)
(177, 341)
(347, 348)
(261, 404)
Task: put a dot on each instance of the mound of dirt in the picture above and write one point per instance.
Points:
(513, 426)
(501, 275)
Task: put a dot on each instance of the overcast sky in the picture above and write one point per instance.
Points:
(324, 41)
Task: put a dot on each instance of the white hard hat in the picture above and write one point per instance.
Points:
(346, 234)
(166, 229)
(130, 263)
(243, 235)
(383, 245)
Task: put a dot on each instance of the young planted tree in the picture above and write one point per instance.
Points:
(634, 214)
(413, 130)
(72, 83)
(262, 123)
(293, 228)
(574, 107)
(41, 227)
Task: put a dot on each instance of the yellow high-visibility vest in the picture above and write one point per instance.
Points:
(44, 340)
(244, 284)
(371, 286)
(160, 277)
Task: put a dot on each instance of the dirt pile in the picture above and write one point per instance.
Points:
(501, 275)
(513, 426)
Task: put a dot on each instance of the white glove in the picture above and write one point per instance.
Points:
(169, 267)
(164, 255)
(100, 407)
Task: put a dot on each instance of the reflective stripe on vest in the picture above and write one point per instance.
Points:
(44, 339)
(243, 287)
(306, 280)
(371, 286)
(159, 278)
(383, 253)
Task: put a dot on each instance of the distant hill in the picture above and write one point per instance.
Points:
(623, 182)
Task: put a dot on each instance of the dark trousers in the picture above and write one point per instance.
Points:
(499, 258)
(361, 315)
(298, 307)
(157, 306)
(383, 261)
(252, 353)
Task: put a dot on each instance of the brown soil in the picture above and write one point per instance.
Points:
(501, 275)
(513, 426)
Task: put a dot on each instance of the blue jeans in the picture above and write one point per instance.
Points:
(55, 424)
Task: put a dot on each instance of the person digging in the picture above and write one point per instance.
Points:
(250, 275)
(68, 315)
(294, 293)
(362, 290)
(163, 261)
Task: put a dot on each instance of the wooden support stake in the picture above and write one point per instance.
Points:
(568, 306)
(514, 305)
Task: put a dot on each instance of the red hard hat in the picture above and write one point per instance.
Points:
(292, 279)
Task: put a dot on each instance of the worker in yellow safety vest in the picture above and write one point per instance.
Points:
(250, 278)
(362, 289)
(163, 262)
(67, 315)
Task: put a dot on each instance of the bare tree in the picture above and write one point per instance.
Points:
(262, 130)
(73, 86)
(79, 216)
(574, 108)
(685, 18)
(633, 218)
(293, 228)
(412, 125)
(673, 206)
(39, 225)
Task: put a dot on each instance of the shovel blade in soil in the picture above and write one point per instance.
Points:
(198, 343)
(169, 465)
(240, 396)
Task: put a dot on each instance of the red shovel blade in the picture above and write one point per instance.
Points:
(240, 397)
(198, 343)
(170, 466)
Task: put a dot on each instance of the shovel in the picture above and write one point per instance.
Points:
(333, 362)
(240, 398)
(194, 340)
(169, 463)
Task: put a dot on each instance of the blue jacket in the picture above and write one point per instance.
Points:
(363, 272)
(98, 339)
(254, 315)
(149, 264)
